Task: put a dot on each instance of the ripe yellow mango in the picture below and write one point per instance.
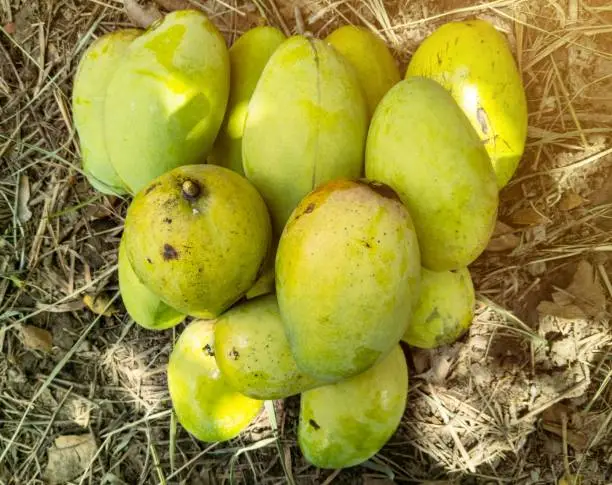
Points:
(444, 309)
(205, 405)
(198, 237)
(473, 61)
(346, 423)
(376, 68)
(142, 304)
(166, 101)
(347, 263)
(248, 57)
(253, 353)
(422, 145)
(94, 72)
(306, 124)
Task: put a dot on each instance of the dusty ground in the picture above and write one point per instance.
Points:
(526, 397)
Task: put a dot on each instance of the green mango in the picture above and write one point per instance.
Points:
(94, 72)
(444, 309)
(142, 304)
(198, 237)
(248, 57)
(376, 68)
(422, 145)
(166, 101)
(347, 263)
(473, 61)
(306, 125)
(253, 353)
(205, 405)
(346, 423)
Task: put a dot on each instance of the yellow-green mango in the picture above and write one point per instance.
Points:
(444, 309)
(198, 237)
(253, 353)
(347, 263)
(306, 124)
(374, 64)
(346, 423)
(264, 284)
(473, 61)
(423, 146)
(205, 405)
(166, 101)
(142, 304)
(94, 72)
(248, 57)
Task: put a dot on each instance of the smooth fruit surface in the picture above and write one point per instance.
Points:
(344, 424)
(422, 145)
(473, 61)
(205, 405)
(347, 263)
(198, 237)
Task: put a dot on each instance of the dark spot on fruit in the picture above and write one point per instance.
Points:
(453, 271)
(167, 220)
(234, 354)
(365, 243)
(314, 424)
(310, 208)
(381, 189)
(151, 188)
(483, 120)
(149, 261)
(191, 190)
(432, 316)
(208, 350)
(169, 252)
(439, 59)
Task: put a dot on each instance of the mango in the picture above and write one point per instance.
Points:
(422, 145)
(473, 61)
(248, 57)
(205, 405)
(264, 285)
(346, 423)
(374, 64)
(444, 309)
(347, 263)
(198, 237)
(166, 101)
(94, 72)
(142, 304)
(306, 125)
(253, 353)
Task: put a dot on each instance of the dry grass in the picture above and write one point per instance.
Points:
(104, 375)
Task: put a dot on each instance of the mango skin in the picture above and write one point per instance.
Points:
(306, 125)
(166, 101)
(198, 254)
(487, 86)
(344, 424)
(444, 309)
(94, 72)
(205, 405)
(421, 144)
(253, 353)
(248, 57)
(374, 64)
(142, 304)
(347, 263)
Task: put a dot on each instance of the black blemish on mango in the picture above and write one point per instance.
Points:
(208, 350)
(433, 315)
(149, 261)
(381, 189)
(366, 244)
(314, 424)
(151, 188)
(234, 354)
(169, 252)
(167, 220)
(483, 120)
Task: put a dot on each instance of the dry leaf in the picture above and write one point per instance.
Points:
(71, 306)
(528, 217)
(503, 238)
(570, 200)
(569, 312)
(9, 28)
(587, 290)
(99, 304)
(69, 457)
(35, 338)
(569, 479)
(23, 198)
(142, 15)
(172, 5)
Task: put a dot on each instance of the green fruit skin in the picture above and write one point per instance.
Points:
(93, 75)
(253, 353)
(142, 304)
(444, 309)
(306, 125)
(344, 424)
(346, 264)
(205, 405)
(374, 64)
(487, 86)
(422, 145)
(166, 101)
(248, 57)
(199, 255)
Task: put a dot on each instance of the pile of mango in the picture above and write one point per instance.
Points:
(303, 206)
